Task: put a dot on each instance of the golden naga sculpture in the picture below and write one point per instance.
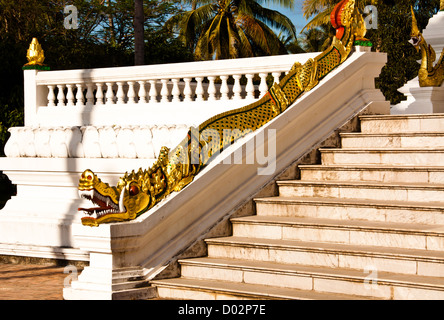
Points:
(137, 192)
(429, 75)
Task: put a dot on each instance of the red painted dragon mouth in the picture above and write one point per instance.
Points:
(104, 203)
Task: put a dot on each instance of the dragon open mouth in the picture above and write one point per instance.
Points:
(105, 205)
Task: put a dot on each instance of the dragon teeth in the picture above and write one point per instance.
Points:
(103, 201)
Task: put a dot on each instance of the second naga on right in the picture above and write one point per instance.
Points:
(429, 75)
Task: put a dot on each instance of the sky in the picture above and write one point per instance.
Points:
(294, 14)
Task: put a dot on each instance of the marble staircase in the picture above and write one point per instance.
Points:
(366, 223)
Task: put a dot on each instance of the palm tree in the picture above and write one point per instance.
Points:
(138, 33)
(232, 29)
(293, 45)
(316, 39)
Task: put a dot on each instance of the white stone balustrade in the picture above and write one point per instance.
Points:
(116, 112)
(130, 142)
(169, 94)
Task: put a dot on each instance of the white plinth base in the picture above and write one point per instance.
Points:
(98, 283)
(420, 100)
(425, 100)
(38, 221)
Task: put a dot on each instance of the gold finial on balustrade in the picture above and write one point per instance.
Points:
(35, 56)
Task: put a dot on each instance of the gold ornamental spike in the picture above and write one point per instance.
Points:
(415, 30)
(35, 54)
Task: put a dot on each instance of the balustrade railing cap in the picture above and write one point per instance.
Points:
(174, 70)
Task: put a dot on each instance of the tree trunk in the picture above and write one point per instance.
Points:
(111, 26)
(139, 45)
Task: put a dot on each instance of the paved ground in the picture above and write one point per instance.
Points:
(33, 281)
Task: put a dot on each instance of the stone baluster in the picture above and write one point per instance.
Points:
(70, 95)
(142, 92)
(131, 94)
(176, 91)
(276, 76)
(164, 92)
(187, 90)
(199, 89)
(237, 89)
(109, 93)
(250, 86)
(120, 93)
(60, 96)
(51, 96)
(224, 90)
(153, 91)
(99, 94)
(89, 94)
(263, 87)
(79, 96)
(211, 89)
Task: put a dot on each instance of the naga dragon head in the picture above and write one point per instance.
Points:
(416, 38)
(124, 202)
(134, 194)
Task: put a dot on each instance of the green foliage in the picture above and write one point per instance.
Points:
(162, 47)
(317, 39)
(392, 36)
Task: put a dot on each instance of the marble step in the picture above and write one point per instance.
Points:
(331, 255)
(353, 232)
(388, 173)
(419, 192)
(351, 209)
(394, 156)
(393, 140)
(195, 289)
(369, 283)
(402, 123)
(138, 293)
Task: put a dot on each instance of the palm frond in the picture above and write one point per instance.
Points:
(189, 23)
(272, 18)
(321, 19)
(246, 50)
(261, 36)
(313, 7)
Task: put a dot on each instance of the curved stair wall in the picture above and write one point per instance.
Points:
(156, 238)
